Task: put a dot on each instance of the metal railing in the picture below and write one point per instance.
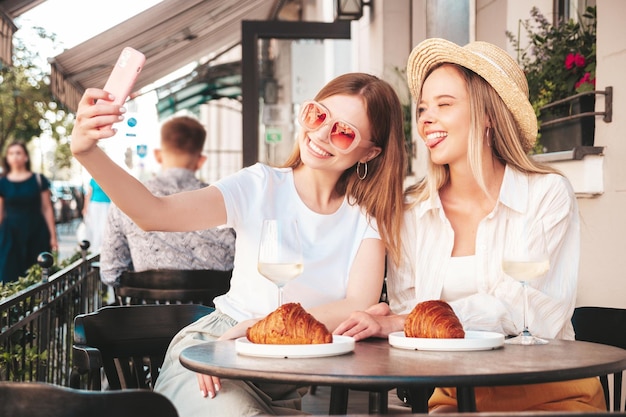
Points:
(36, 324)
(607, 114)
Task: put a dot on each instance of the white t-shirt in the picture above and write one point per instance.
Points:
(329, 241)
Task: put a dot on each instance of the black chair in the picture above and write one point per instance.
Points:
(38, 399)
(607, 326)
(377, 401)
(165, 286)
(128, 342)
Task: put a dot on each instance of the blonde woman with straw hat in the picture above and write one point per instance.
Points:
(478, 125)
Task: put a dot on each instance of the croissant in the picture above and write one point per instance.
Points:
(433, 319)
(289, 324)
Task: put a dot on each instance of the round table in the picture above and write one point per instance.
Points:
(376, 365)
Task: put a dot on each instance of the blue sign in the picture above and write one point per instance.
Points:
(142, 150)
(131, 122)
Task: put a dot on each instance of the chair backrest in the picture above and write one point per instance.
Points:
(167, 286)
(607, 326)
(38, 399)
(128, 342)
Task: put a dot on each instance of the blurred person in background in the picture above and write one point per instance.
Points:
(27, 225)
(127, 247)
(95, 211)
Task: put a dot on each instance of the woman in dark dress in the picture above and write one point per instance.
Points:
(26, 217)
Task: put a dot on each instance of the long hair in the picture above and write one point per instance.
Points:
(504, 142)
(5, 163)
(380, 194)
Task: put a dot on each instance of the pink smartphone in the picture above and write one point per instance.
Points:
(124, 74)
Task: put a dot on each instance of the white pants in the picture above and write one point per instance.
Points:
(236, 398)
(95, 221)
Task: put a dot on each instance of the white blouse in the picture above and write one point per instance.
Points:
(497, 303)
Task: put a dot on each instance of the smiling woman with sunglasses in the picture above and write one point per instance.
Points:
(342, 136)
(343, 185)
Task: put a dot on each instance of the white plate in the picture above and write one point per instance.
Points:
(339, 346)
(473, 341)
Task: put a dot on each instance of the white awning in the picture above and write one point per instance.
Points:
(171, 34)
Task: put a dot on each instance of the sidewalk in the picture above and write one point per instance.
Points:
(66, 234)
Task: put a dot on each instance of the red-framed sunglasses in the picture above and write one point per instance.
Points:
(342, 136)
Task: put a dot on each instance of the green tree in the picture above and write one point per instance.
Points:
(28, 109)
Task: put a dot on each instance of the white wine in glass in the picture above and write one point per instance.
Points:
(524, 260)
(525, 270)
(280, 253)
(280, 274)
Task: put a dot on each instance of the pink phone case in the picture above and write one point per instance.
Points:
(124, 74)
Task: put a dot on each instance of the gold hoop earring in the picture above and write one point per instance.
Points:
(358, 170)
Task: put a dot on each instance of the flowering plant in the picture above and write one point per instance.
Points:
(560, 59)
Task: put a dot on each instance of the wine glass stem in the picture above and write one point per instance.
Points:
(525, 287)
(280, 296)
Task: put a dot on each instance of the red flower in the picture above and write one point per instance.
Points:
(572, 60)
(586, 79)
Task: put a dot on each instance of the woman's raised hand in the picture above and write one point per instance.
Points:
(94, 120)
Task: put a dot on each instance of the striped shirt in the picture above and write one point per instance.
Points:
(497, 305)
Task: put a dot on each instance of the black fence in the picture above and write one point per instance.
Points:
(36, 324)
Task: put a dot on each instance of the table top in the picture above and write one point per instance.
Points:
(376, 364)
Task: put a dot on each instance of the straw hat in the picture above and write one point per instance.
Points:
(495, 65)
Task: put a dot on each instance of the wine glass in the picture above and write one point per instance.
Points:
(280, 253)
(525, 258)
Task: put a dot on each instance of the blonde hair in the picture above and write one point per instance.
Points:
(505, 139)
(380, 194)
